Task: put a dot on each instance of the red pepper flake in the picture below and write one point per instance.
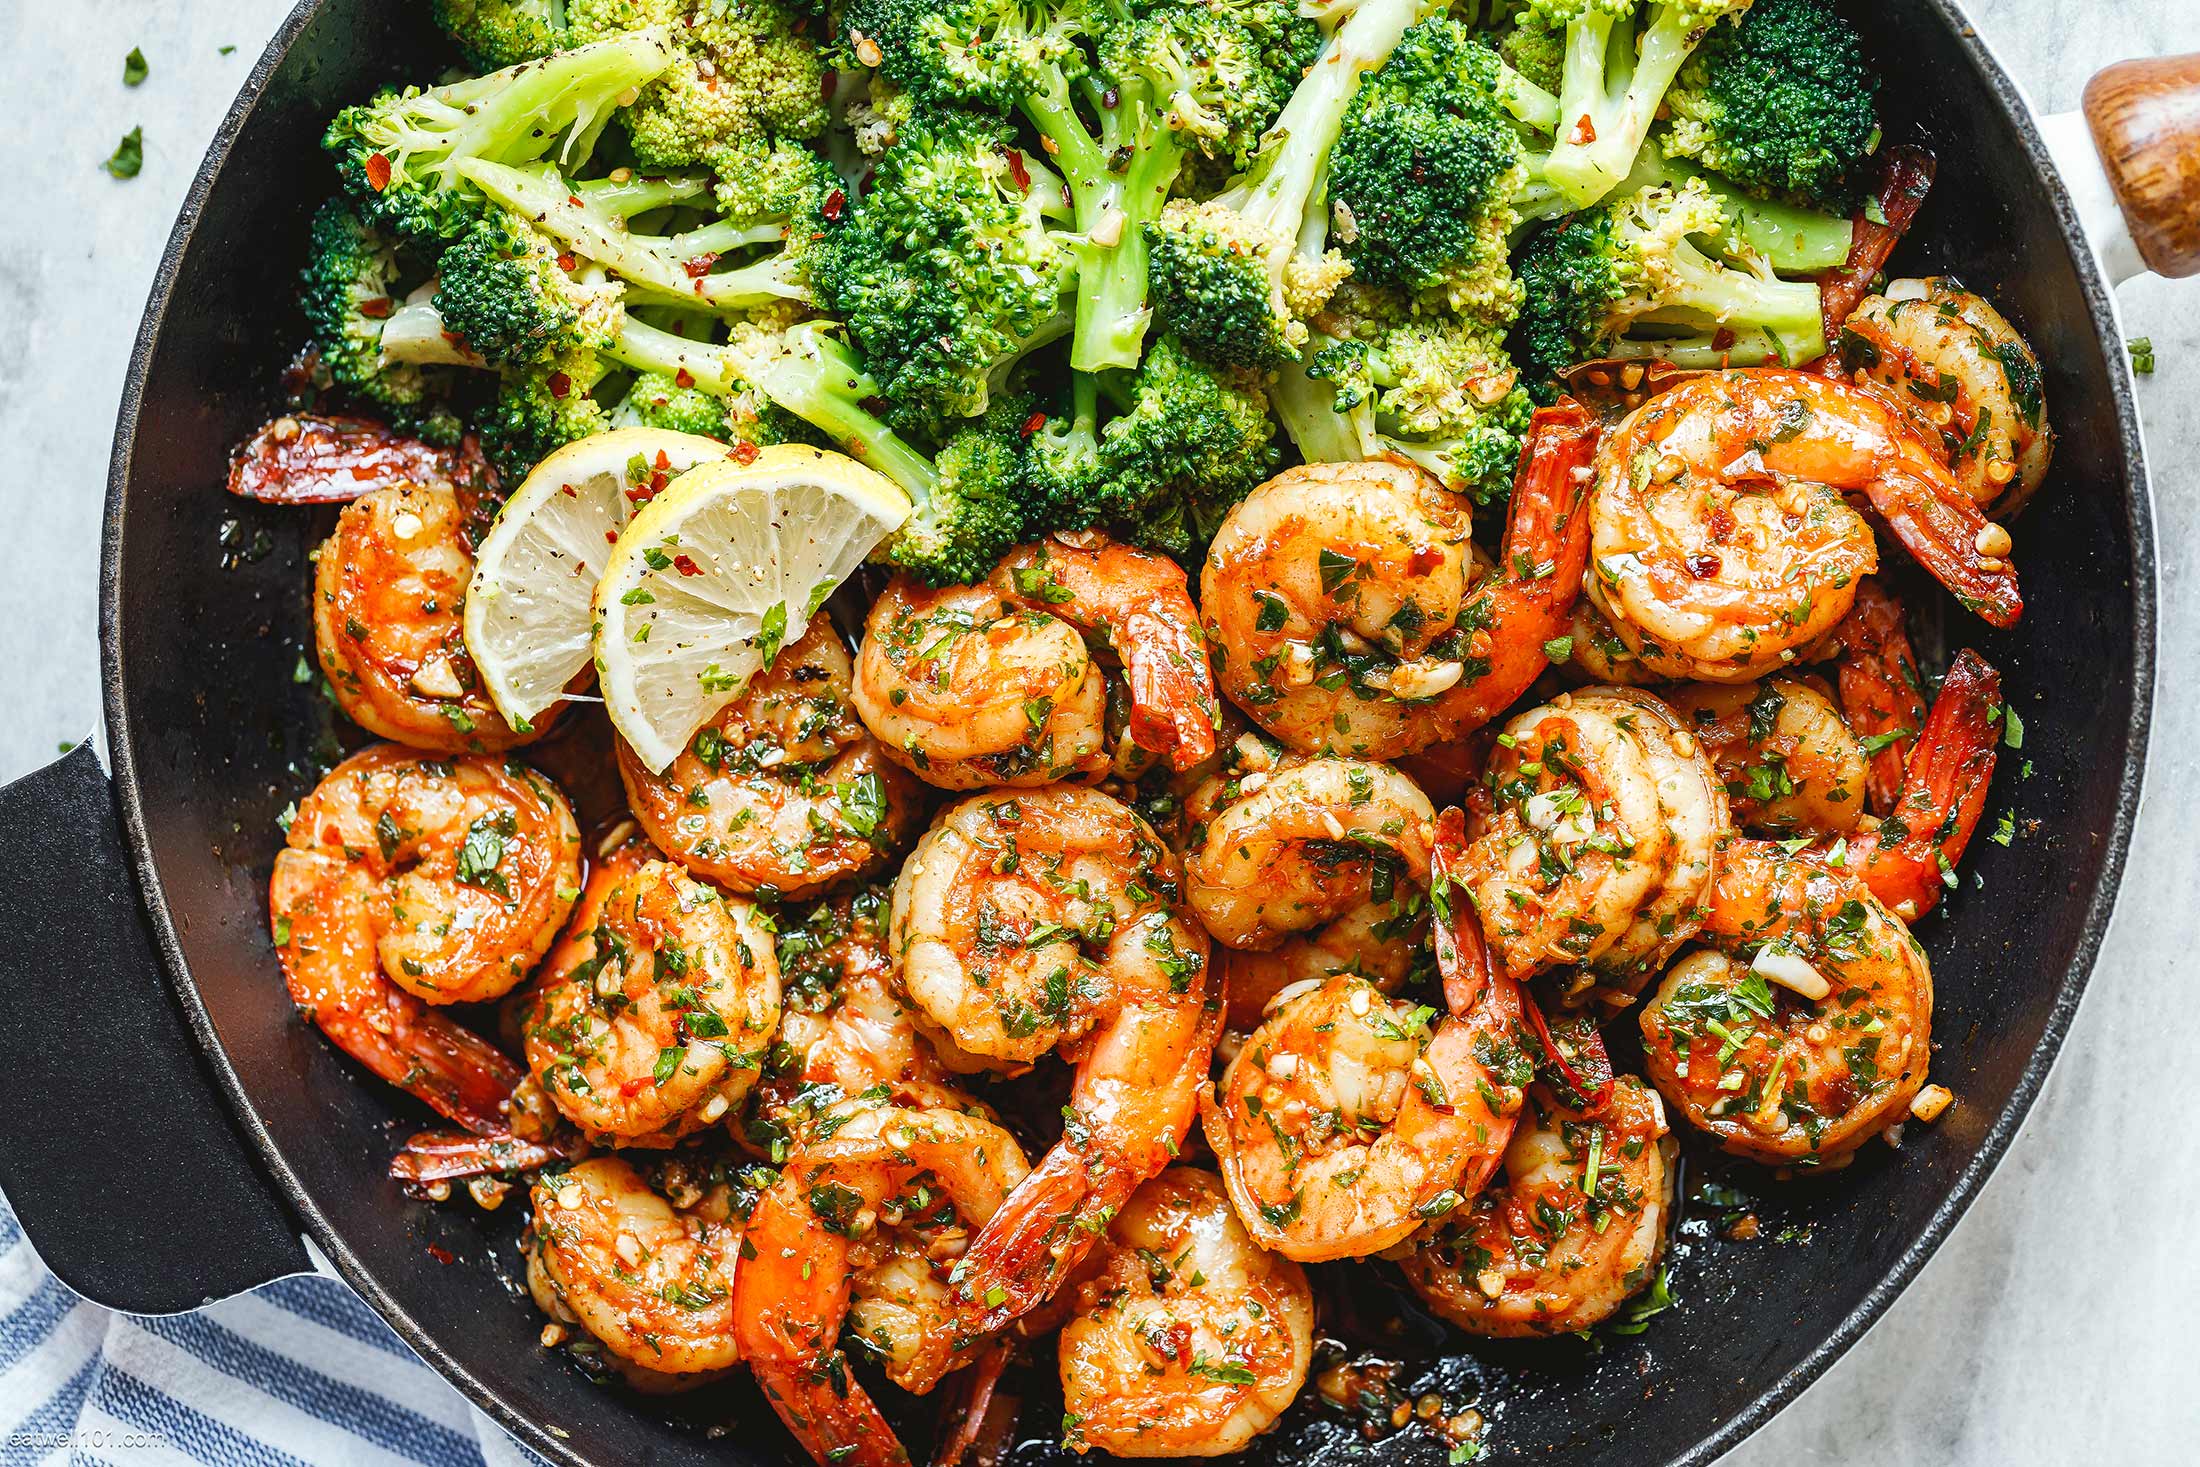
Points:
(560, 385)
(1017, 169)
(836, 203)
(874, 405)
(683, 378)
(1703, 567)
(1034, 423)
(440, 1253)
(575, 201)
(568, 491)
(628, 1089)
(377, 309)
(700, 266)
(378, 172)
(828, 83)
(641, 494)
(1722, 340)
(744, 453)
(569, 261)
(657, 482)
(686, 566)
(1585, 132)
(664, 461)
(1424, 559)
(611, 537)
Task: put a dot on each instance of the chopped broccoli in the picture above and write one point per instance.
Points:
(1621, 56)
(1781, 102)
(511, 294)
(716, 265)
(1187, 442)
(403, 155)
(1228, 275)
(1162, 78)
(1394, 378)
(1630, 279)
(494, 33)
(748, 72)
(950, 268)
(353, 289)
(970, 504)
(1426, 168)
(540, 407)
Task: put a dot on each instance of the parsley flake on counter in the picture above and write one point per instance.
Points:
(2142, 354)
(134, 69)
(129, 156)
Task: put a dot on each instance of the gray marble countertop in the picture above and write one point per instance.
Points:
(2061, 1321)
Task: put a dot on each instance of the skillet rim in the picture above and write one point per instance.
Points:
(327, 1239)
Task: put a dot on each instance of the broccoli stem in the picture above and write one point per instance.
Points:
(1112, 309)
(1610, 94)
(1275, 198)
(815, 377)
(1789, 311)
(1791, 239)
(522, 112)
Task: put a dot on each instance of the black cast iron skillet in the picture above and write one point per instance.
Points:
(168, 1128)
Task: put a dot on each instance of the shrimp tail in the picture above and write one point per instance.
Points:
(1907, 859)
(829, 1413)
(451, 1069)
(1879, 688)
(1172, 692)
(1529, 601)
(1940, 525)
(976, 1411)
(444, 1156)
(1905, 177)
(1462, 953)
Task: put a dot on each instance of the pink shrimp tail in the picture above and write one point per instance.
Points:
(1462, 952)
(1172, 692)
(1943, 792)
(1879, 694)
(976, 1409)
(462, 1076)
(445, 1156)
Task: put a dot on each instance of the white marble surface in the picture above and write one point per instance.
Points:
(2060, 1324)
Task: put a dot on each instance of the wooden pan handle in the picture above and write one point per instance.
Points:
(2145, 117)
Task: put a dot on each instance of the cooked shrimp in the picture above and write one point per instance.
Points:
(783, 791)
(1790, 764)
(652, 1282)
(1339, 597)
(1604, 829)
(1959, 363)
(1188, 1340)
(1909, 857)
(1881, 693)
(975, 686)
(845, 1031)
(655, 1022)
(1052, 919)
(1347, 1120)
(1723, 546)
(389, 587)
(865, 1217)
(1575, 1229)
(1307, 867)
(1805, 1028)
(410, 881)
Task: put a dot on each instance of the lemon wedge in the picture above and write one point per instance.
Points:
(720, 571)
(527, 609)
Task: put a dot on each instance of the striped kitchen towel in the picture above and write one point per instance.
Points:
(298, 1372)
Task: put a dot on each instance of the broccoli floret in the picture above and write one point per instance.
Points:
(950, 268)
(494, 33)
(352, 290)
(970, 506)
(403, 155)
(540, 407)
(1186, 442)
(1781, 102)
(1396, 378)
(1621, 56)
(1428, 164)
(1159, 80)
(735, 262)
(1228, 275)
(1537, 52)
(748, 72)
(515, 296)
(1630, 279)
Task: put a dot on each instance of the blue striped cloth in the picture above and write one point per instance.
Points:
(300, 1372)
